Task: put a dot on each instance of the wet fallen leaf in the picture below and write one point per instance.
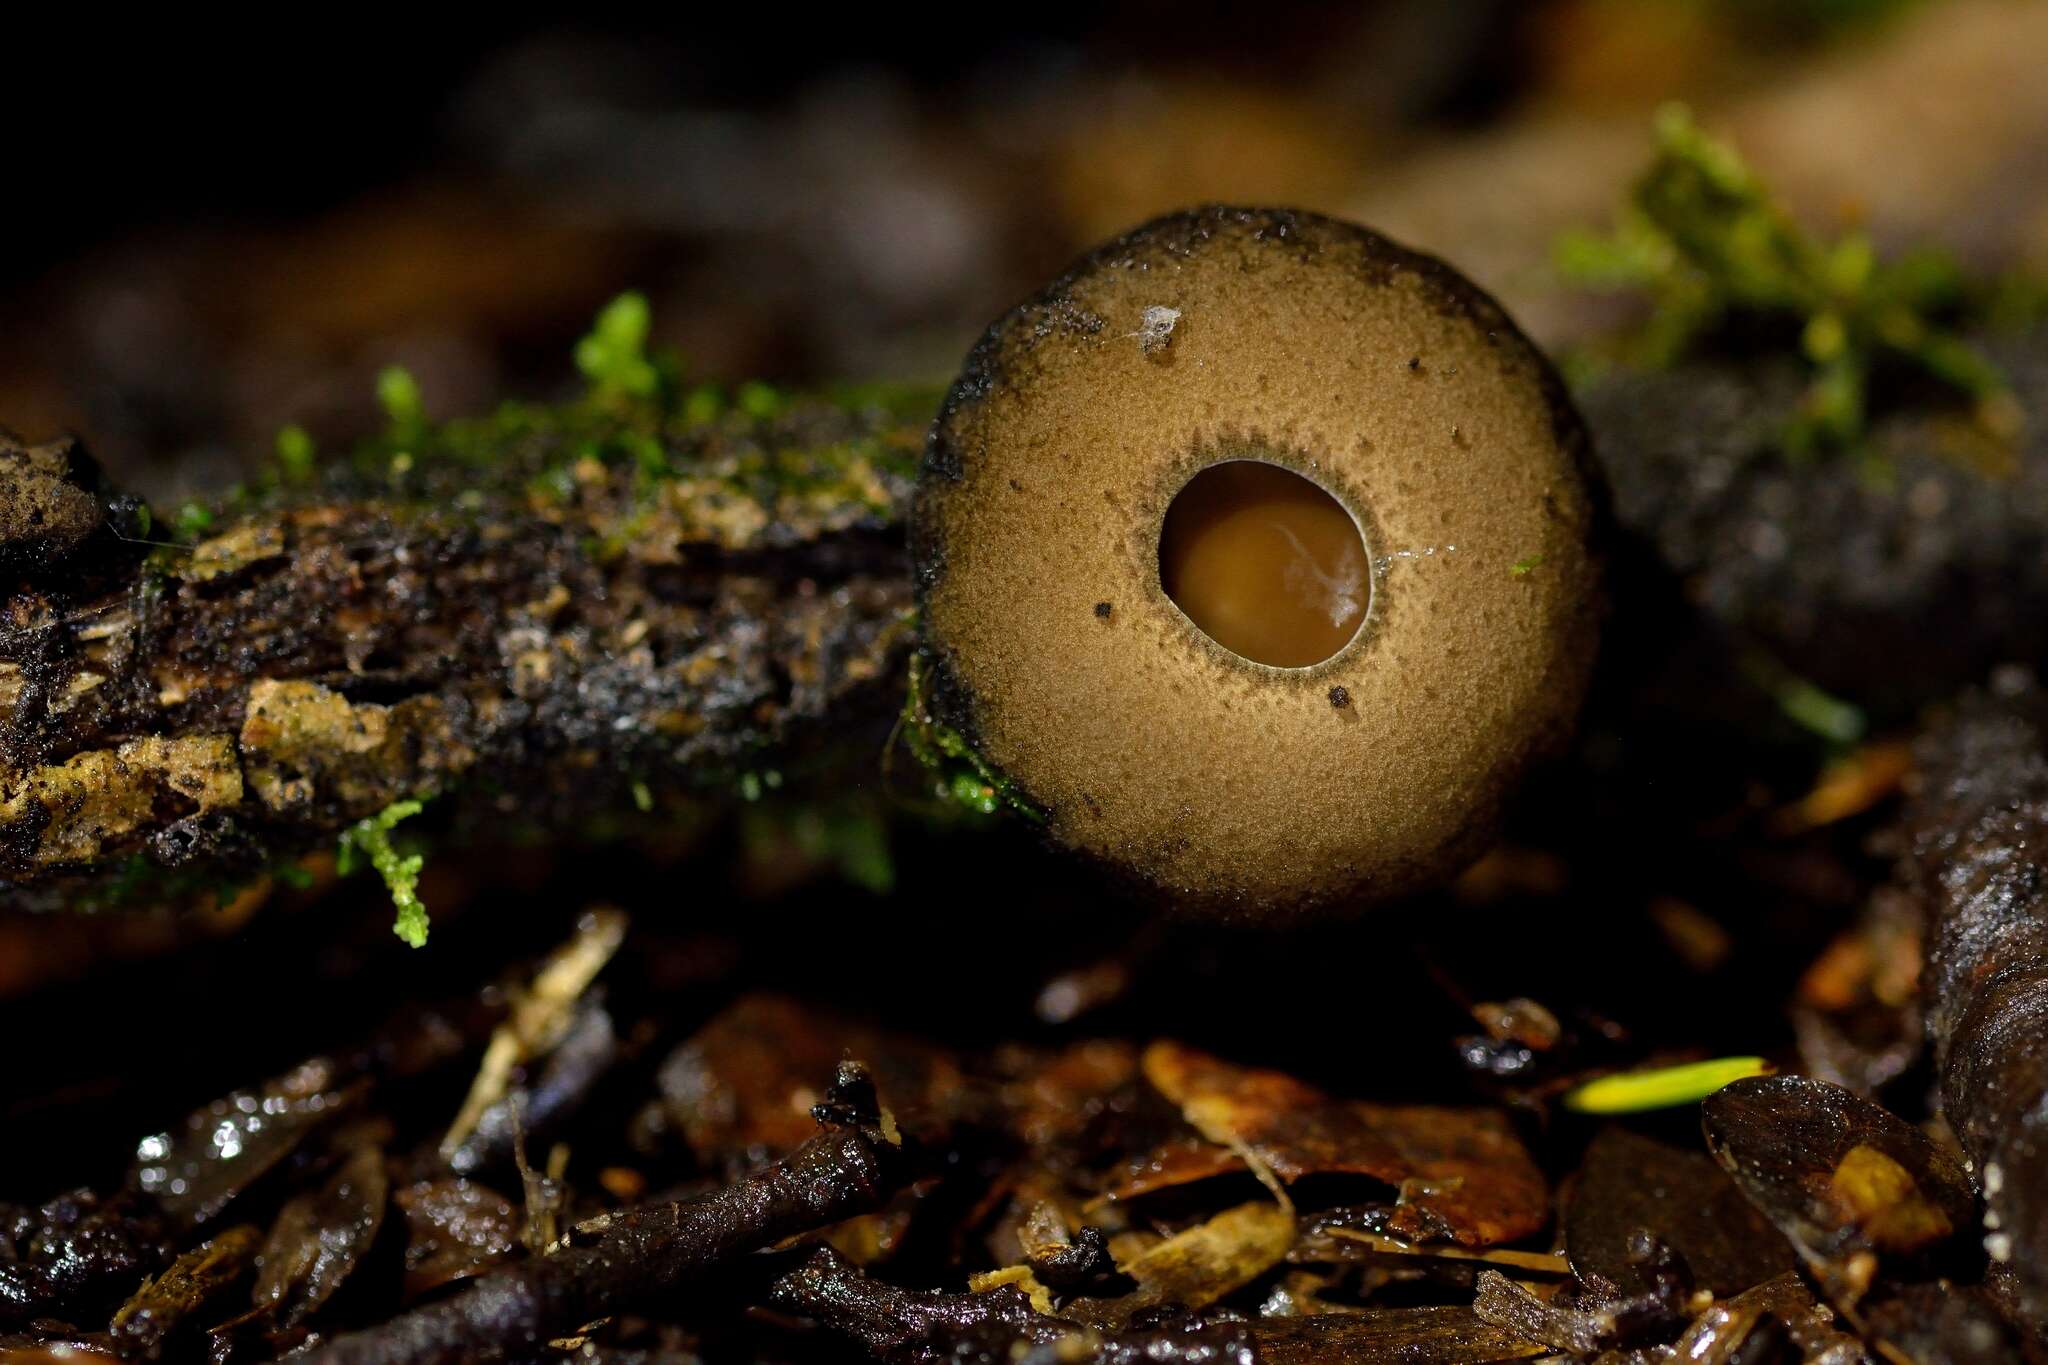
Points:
(1412, 1336)
(197, 1170)
(1629, 1182)
(187, 1286)
(75, 1255)
(741, 1090)
(1461, 1174)
(1199, 1266)
(579, 1059)
(1857, 1013)
(454, 1229)
(321, 1236)
(1053, 1098)
(1846, 1181)
(1739, 1328)
(1397, 1252)
(1583, 1329)
(1848, 787)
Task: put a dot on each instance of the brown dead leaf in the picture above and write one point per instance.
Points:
(741, 1090)
(454, 1229)
(1462, 1174)
(1199, 1266)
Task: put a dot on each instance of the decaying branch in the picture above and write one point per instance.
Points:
(1894, 580)
(633, 1256)
(1977, 853)
(553, 604)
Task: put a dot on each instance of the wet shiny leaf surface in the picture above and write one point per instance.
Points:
(191, 1286)
(195, 1171)
(1629, 1184)
(741, 1090)
(321, 1236)
(1459, 1174)
(1413, 1336)
(454, 1229)
(1852, 1186)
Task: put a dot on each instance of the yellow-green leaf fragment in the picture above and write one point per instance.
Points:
(1662, 1087)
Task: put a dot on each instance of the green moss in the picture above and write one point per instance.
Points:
(801, 458)
(295, 455)
(371, 838)
(138, 883)
(754, 785)
(1718, 256)
(398, 393)
(623, 466)
(759, 401)
(850, 837)
(192, 520)
(613, 356)
(960, 775)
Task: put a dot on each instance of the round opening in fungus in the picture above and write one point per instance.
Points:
(1266, 563)
(1337, 465)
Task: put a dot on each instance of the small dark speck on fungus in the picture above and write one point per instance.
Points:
(1280, 514)
(1102, 610)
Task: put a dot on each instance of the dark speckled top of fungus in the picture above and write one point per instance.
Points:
(1301, 461)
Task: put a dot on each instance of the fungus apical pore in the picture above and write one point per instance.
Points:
(1321, 677)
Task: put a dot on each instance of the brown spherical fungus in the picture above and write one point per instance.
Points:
(1255, 551)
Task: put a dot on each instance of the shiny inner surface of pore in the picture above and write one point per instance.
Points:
(1265, 563)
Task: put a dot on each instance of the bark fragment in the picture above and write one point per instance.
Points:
(1976, 852)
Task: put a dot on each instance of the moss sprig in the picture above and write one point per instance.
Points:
(613, 355)
(1704, 238)
(370, 838)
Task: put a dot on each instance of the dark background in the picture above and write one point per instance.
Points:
(213, 228)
